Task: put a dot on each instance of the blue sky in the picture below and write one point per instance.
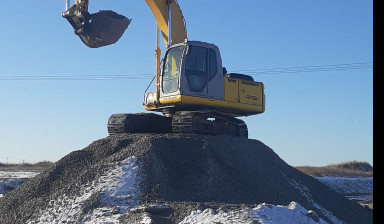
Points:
(311, 118)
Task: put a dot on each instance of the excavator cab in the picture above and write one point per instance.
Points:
(97, 29)
(192, 78)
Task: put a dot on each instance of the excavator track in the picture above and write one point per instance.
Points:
(208, 123)
(138, 123)
(195, 122)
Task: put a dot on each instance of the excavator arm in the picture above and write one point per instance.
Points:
(106, 27)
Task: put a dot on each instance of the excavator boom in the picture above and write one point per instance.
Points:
(160, 9)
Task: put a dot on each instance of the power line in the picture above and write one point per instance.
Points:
(311, 68)
(265, 71)
(75, 77)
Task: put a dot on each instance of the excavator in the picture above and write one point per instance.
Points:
(193, 91)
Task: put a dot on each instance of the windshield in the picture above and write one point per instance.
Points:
(171, 70)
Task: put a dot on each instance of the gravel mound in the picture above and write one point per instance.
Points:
(165, 177)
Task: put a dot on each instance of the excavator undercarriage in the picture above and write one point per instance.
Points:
(208, 122)
(139, 123)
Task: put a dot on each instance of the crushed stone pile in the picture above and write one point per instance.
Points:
(166, 178)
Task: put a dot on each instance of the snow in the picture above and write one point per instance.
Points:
(102, 201)
(16, 174)
(10, 184)
(354, 188)
(306, 193)
(10, 180)
(294, 213)
(349, 185)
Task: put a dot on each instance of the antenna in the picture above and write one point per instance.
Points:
(67, 4)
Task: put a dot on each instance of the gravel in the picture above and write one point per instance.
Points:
(179, 174)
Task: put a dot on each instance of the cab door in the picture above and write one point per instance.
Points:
(171, 71)
(196, 71)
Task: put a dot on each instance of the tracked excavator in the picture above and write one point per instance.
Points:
(193, 90)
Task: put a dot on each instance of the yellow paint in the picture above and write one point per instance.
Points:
(251, 92)
(231, 89)
(159, 9)
(241, 97)
(181, 100)
(243, 91)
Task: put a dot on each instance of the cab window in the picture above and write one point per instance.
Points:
(212, 64)
(196, 69)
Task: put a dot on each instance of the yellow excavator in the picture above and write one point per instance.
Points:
(194, 92)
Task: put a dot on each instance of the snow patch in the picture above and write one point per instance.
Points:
(11, 180)
(16, 174)
(102, 201)
(294, 213)
(210, 216)
(306, 193)
(10, 184)
(348, 185)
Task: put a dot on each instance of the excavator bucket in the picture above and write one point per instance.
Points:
(98, 29)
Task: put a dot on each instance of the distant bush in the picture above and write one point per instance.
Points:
(355, 165)
(351, 168)
(39, 166)
(42, 164)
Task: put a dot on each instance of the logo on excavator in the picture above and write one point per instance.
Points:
(249, 97)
